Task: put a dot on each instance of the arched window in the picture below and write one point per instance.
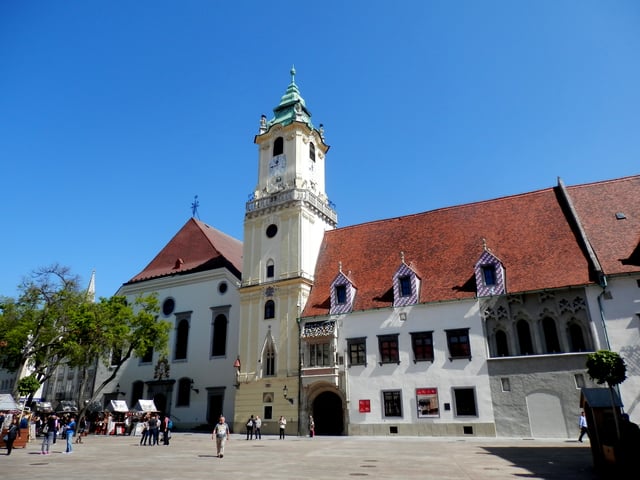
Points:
(269, 309)
(184, 392)
(270, 269)
(219, 343)
(502, 347)
(269, 360)
(182, 340)
(524, 338)
(312, 151)
(576, 338)
(550, 335)
(278, 146)
(137, 391)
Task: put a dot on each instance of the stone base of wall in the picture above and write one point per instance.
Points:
(471, 429)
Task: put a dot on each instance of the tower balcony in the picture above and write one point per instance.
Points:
(257, 204)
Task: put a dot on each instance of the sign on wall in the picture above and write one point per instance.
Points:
(364, 406)
(427, 401)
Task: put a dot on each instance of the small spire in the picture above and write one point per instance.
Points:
(484, 244)
(402, 256)
(293, 74)
(340, 266)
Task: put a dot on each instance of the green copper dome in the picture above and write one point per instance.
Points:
(292, 107)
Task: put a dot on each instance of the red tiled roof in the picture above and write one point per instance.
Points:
(196, 247)
(529, 233)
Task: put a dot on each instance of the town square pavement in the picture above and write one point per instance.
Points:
(192, 456)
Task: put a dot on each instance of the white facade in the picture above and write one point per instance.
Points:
(200, 298)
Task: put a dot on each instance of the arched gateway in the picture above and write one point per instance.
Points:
(328, 414)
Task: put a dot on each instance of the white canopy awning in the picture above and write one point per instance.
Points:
(7, 403)
(118, 406)
(145, 406)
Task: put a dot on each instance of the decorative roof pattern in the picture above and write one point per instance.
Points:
(196, 247)
(534, 233)
(318, 329)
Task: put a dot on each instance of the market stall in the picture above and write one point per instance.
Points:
(10, 409)
(142, 408)
(118, 419)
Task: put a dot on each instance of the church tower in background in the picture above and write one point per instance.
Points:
(284, 224)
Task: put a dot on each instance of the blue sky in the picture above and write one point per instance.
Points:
(115, 114)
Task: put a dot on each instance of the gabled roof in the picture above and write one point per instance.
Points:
(530, 234)
(196, 247)
(615, 241)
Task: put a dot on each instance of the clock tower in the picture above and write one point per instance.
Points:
(285, 220)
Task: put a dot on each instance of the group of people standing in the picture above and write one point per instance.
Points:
(254, 427)
(53, 426)
(152, 426)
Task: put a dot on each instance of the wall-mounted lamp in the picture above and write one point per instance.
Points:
(193, 388)
(285, 392)
(118, 392)
(236, 366)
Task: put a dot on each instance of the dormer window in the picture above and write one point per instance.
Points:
(490, 276)
(406, 284)
(341, 294)
(278, 146)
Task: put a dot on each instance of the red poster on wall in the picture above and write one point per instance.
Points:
(364, 406)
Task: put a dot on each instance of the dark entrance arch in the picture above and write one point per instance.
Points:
(327, 414)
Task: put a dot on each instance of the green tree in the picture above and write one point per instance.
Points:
(605, 366)
(54, 323)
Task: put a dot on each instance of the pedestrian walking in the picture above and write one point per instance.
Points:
(582, 423)
(48, 431)
(12, 434)
(312, 427)
(69, 431)
(221, 434)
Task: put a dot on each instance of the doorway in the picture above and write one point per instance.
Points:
(327, 413)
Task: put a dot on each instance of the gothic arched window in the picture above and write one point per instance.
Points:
(576, 338)
(269, 360)
(550, 335)
(524, 338)
(502, 346)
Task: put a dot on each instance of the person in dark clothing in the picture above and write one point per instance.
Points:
(12, 434)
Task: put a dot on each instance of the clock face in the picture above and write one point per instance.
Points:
(277, 164)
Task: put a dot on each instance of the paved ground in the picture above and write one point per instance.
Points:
(192, 456)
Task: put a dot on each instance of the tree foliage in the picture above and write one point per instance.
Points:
(608, 367)
(54, 323)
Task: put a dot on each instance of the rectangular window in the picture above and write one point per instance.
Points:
(422, 344)
(388, 345)
(269, 271)
(405, 286)
(392, 402)
(489, 275)
(465, 402)
(506, 384)
(341, 294)
(458, 342)
(319, 355)
(148, 356)
(427, 401)
(268, 412)
(357, 350)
